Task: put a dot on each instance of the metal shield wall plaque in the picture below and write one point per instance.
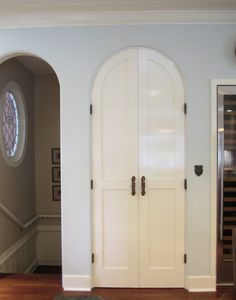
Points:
(198, 170)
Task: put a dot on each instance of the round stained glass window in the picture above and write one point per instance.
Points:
(12, 125)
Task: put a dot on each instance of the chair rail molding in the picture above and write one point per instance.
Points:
(18, 222)
(15, 219)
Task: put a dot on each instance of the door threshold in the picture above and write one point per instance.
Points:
(225, 284)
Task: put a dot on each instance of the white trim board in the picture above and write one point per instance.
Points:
(32, 267)
(76, 283)
(32, 18)
(214, 84)
(200, 283)
(49, 261)
(22, 225)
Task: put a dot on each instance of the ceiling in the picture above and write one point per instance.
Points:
(35, 65)
(45, 13)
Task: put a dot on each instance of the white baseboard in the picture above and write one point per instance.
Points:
(49, 261)
(76, 283)
(200, 283)
(49, 228)
(32, 267)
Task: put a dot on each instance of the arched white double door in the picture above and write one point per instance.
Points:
(138, 171)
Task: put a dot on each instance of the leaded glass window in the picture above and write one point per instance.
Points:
(10, 124)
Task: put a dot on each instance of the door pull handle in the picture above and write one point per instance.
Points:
(133, 185)
(143, 185)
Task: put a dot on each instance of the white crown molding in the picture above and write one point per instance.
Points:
(59, 18)
(60, 13)
(115, 5)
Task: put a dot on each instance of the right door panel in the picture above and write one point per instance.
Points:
(161, 162)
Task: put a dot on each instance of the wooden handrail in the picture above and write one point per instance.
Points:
(17, 221)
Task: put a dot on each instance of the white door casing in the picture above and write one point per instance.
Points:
(138, 130)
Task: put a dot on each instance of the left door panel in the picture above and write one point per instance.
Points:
(114, 164)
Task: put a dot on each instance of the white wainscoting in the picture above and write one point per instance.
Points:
(21, 256)
(49, 244)
(39, 246)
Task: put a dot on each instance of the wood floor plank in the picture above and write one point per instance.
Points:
(46, 287)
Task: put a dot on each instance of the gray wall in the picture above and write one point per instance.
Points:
(47, 136)
(201, 52)
(17, 190)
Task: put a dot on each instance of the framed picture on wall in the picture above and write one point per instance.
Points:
(56, 193)
(56, 174)
(56, 156)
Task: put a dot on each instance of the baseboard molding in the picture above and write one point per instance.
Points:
(200, 283)
(32, 267)
(76, 283)
(49, 261)
(49, 228)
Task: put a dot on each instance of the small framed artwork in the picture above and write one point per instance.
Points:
(56, 156)
(56, 193)
(56, 174)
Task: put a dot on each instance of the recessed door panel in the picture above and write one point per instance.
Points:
(161, 245)
(115, 211)
(117, 114)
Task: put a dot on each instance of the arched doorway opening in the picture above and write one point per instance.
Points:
(30, 198)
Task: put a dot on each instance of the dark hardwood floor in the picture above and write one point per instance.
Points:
(48, 270)
(46, 287)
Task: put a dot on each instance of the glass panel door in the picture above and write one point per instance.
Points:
(226, 181)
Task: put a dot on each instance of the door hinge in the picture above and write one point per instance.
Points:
(91, 184)
(185, 258)
(185, 108)
(91, 109)
(92, 258)
(185, 184)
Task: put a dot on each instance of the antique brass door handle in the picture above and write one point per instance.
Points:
(143, 185)
(133, 192)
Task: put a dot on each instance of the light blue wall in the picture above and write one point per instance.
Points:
(201, 52)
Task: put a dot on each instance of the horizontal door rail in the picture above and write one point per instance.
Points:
(18, 222)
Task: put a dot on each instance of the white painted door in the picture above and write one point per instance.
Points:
(115, 161)
(161, 162)
(138, 131)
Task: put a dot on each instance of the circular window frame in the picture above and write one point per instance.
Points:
(15, 89)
